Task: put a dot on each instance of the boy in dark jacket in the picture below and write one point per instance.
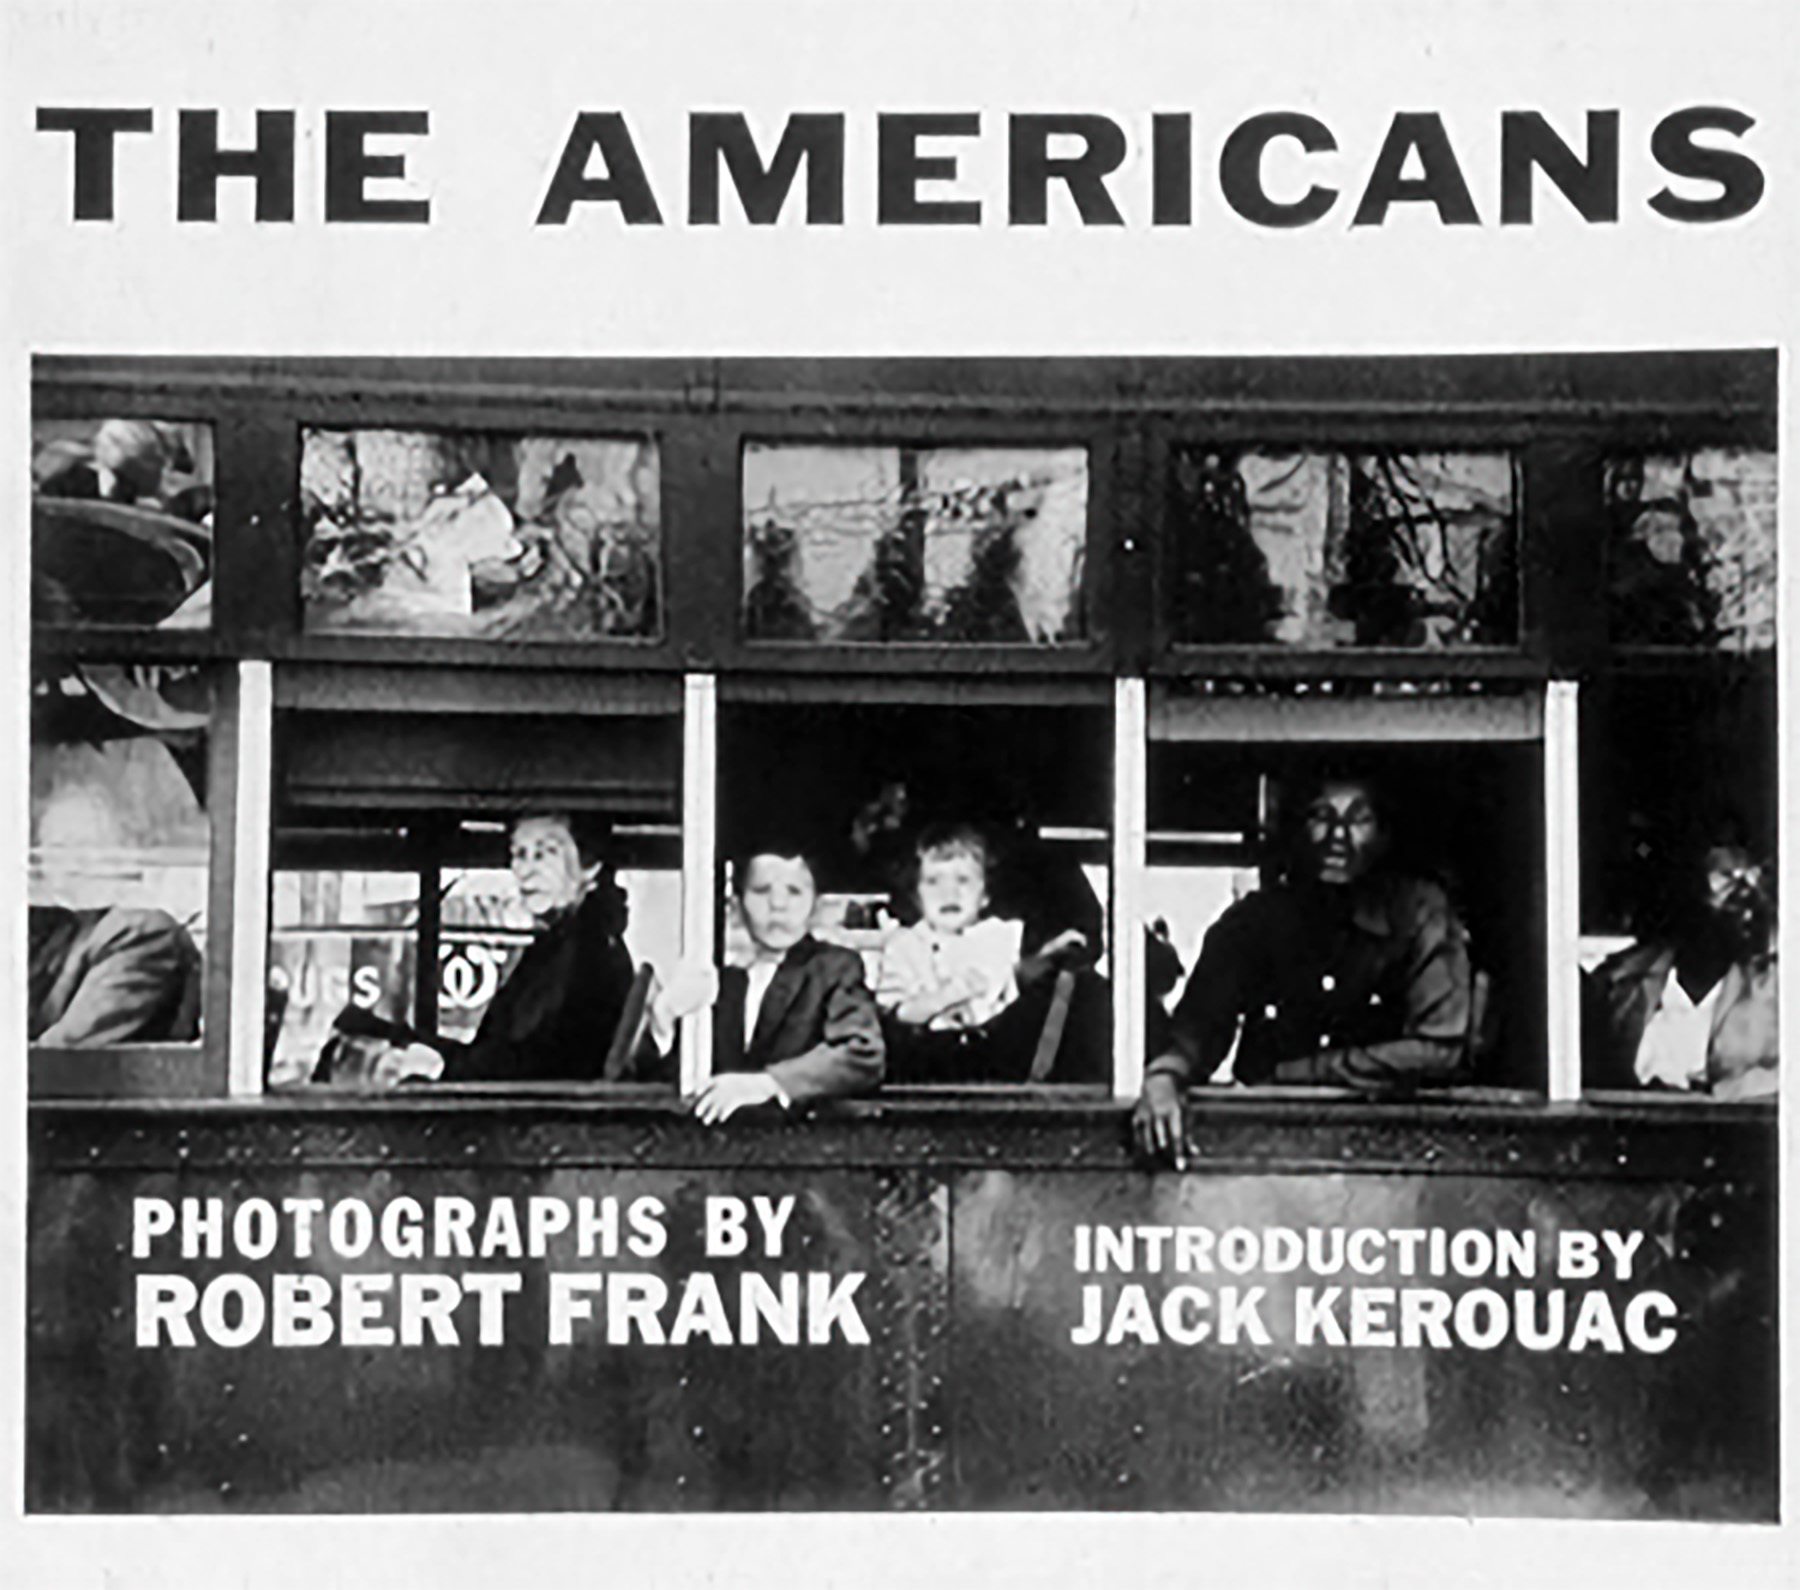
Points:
(795, 1025)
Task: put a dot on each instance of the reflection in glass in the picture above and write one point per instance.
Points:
(337, 939)
(1325, 549)
(351, 938)
(118, 860)
(485, 930)
(121, 523)
(537, 538)
(857, 544)
(1691, 559)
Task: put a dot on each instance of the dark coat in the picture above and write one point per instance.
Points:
(111, 976)
(553, 1019)
(1045, 888)
(817, 1033)
(1369, 986)
(1618, 999)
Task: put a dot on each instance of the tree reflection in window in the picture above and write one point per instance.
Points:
(1325, 549)
(851, 545)
(1691, 549)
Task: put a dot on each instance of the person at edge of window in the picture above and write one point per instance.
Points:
(109, 802)
(1043, 885)
(111, 976)
(1694, 1007)
(1345, 973)
(796, 1025)
(554, 1017)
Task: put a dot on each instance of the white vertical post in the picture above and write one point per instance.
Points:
(1130, 826)
(254, 731)
(1562, 893)
(699, 830)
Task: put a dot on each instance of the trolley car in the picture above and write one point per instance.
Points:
(1125, 604)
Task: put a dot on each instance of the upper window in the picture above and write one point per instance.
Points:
(944, 544)
(122, 523)
(1691, 551)
(457, 533)
(1323, 549)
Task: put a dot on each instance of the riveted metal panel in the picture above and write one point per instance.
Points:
(970, 1391)
(912, 1220)
(1047, 1417)
(528, 1424)
(1278, 1130)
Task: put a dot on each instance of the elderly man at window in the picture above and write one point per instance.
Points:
(1695, 1008)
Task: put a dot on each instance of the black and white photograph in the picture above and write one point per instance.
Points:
(1008, 827)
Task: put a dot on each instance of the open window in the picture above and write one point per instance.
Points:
(1456, 780)
(1020, 796)
(1679, 820)
(399, 900)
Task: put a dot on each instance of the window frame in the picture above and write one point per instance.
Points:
(1561, 415)
(322, 688)
(926, 430)
(1538, 713)
(207, 1066)
(988, 690)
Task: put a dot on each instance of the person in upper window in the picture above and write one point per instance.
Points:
(1347, 973)
(797, 1024)
(1694, 1007)
(554, 1018)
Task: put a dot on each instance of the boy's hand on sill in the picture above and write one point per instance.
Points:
(724, 1096)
